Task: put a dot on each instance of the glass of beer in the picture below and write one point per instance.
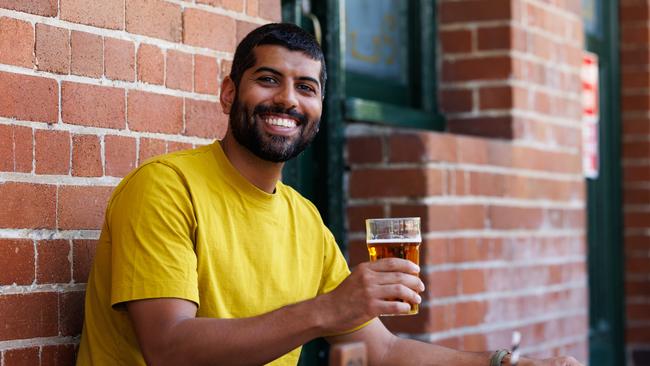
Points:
(395, 237)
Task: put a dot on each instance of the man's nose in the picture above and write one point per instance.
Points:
(286, 97)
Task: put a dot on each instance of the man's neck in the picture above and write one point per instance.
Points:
(261, 173)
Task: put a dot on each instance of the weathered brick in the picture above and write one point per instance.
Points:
(497, 97)
(82, 207)
(243, 28)
(252, 7)
(497, 127)
(155, 18)
(102, 14)
(120, 155)
(365, 149)
(178, 146)
(205, 119)
(224, 68)
(16, 145)
(92, 105)
(17, 260)
(422, 147)
(150, 148)
(71, 305)
(59, 354)
(443, 217)
(29, 315)
(52, 152)
(28, 206)
(53, 264)
(270, 10)
(206, 75)
(86, 156)
(119, 59)
(7, 148)
(508, 218)
(474, 10)
(151, 64)
(395, 183)
(209, 30)
(179, 70)
(87, 54)
(357, 215)
(16, 42)
(46, 8)
(29, 98)
(52, 49)
(83, 252)
(154, 112)
(22, 356)
(456, 100)
(477, 68)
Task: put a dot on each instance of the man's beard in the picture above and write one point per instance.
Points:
(278, 149)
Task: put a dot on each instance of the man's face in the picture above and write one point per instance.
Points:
(277, 108)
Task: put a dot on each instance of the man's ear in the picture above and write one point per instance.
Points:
(227, 95)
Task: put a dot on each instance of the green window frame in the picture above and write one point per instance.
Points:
(370, 99)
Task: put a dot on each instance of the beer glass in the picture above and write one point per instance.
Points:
(395, 237)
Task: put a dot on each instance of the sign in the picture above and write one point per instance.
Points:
(590, 115)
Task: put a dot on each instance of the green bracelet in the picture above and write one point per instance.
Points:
(498, 356)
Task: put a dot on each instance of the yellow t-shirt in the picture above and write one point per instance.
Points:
(188, 225)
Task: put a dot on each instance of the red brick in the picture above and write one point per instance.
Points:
(205, 119)
(29, 315)
(639, 220)
(636, 149)
(638, 311)
(154, 18)
(440, 284)
(29, 98)
(71, 306)
(636, 195)
(83, 252)
(638, 35)
(22, 357)
(179, 70)
(53, 265)
(243, 28)
(154, 112)
(357, 216)
(102, 14)
(16, 145)
(636, 126)
(209, 30)
(225, 67)
(28, 206)
(252, 7)
(150, 148)
(365, 149)
(16, 42)
(151, 64)
(92, 105)
(634, 56)
(559, 162)
(456, 41)
(477, 68)
(210, 2)
(52, 152)
(206, 75)
(173, 146)
(508, 218)
(58, 355)
(395, 183)
(443, 217)
(498, 97)
(634, 11)
(87, 54)
(17, 261)
(474, 10)
(497, 127)
(456, 100)
(270, 9)
(473, 313)
(635, 78)
(637, 174)
(422, 147)
(82, 207)
(46, 8)
(120, 155)
(52, 49)
(119, 59)
(86, 156)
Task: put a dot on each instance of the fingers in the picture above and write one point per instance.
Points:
(408, 280)
(395, 265)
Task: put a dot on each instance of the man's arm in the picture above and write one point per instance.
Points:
(169, 333)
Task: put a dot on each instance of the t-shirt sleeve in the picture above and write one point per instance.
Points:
(152, 225)
(335, 268)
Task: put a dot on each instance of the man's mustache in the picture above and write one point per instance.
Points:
(276, 109)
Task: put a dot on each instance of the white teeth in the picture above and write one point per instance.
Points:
(281, 122)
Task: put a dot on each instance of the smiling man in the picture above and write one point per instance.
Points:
(206, 258)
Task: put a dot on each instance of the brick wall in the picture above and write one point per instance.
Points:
(635, 83)
(503, 219)
(89, 90)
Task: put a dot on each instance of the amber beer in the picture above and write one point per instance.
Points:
(394, 238)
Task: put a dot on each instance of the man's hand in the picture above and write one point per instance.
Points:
(387, 286)
(554, 361)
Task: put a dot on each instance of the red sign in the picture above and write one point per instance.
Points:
(590, 115)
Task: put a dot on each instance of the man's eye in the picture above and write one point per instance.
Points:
(306, 88)
(267, 79)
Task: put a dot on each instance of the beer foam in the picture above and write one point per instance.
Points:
(396, 241)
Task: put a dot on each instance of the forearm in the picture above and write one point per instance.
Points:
(410, 352)
(246, 341)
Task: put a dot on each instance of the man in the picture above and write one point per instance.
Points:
(205, 258)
